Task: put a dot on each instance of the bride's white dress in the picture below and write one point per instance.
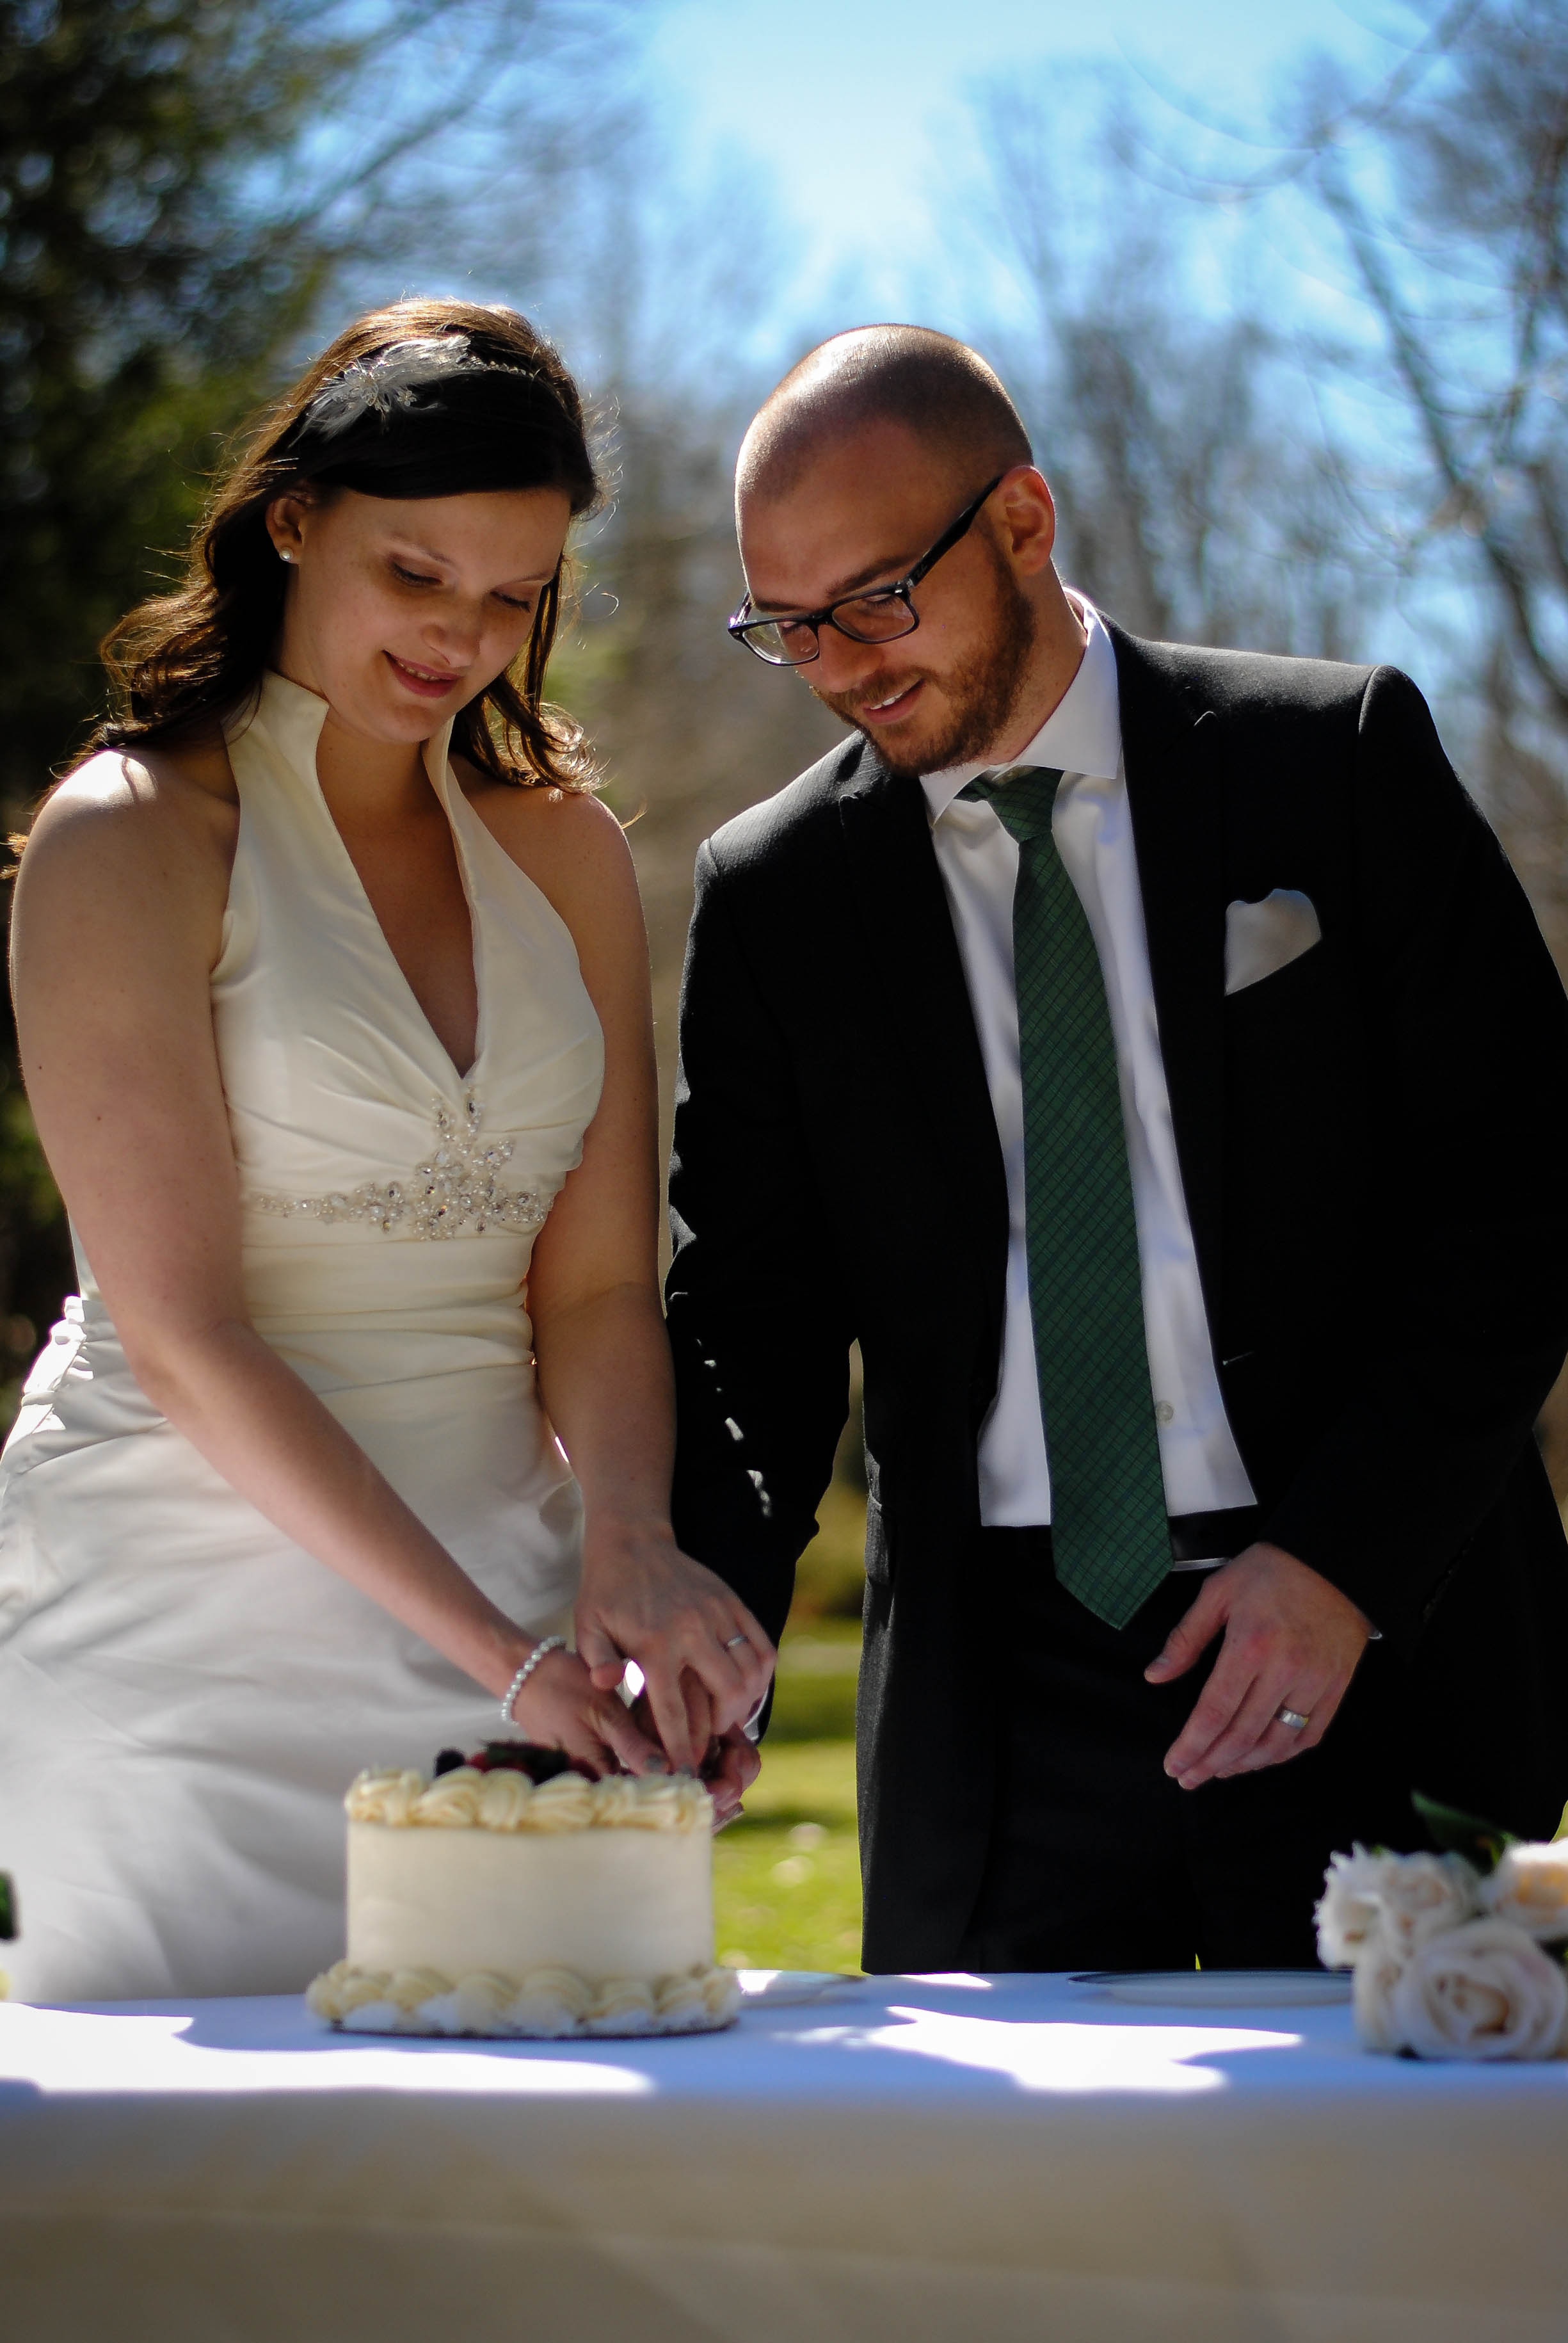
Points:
(185, 1694)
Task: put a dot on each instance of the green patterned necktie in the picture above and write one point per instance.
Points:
(1110, 1533)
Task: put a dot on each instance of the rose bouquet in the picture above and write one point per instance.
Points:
(1450, 1951)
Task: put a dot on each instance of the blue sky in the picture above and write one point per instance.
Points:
(856, 109)
(857, 119)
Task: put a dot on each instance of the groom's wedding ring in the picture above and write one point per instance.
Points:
(1292, 1717)
(729, 1647)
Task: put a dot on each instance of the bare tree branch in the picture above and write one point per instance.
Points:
(1417, 371)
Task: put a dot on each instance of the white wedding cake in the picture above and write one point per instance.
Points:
(512, 1895)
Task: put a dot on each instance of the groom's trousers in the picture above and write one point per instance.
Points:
(1096, 1858)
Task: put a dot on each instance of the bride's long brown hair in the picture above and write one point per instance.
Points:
(180, 661)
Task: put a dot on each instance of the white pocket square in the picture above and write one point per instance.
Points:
(1263, 937)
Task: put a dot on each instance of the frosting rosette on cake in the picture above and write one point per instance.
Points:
(465, 1799)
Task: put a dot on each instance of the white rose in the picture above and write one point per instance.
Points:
(1350, 1906)
(1530, 1887)
(1426, 1896)
(1485, 1990)
(1378, 1970)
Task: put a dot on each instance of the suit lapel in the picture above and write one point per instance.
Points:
(913, 951)
(1170, 748)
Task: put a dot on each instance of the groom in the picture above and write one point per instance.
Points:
(1146, 1054)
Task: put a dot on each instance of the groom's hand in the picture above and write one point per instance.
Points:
(1291, 1641)
(732, 1762)
(704, 1659)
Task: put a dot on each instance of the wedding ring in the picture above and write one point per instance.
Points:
(1292, 1717)
(729, 1647)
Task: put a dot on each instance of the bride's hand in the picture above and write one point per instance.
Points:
(642, 1599)
(560, 1707)
(733, 1761)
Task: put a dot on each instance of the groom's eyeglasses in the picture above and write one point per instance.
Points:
(878, 616)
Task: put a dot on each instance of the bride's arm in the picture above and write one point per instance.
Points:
(117, 923)
(598, 1329)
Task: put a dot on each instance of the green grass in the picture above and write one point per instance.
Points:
(786, 1877)
(788, 1896)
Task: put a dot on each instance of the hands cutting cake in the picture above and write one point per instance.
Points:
(614, 1731)
(701, 1665)
(705, 1662)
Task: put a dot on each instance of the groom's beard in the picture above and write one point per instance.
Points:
(982, 692)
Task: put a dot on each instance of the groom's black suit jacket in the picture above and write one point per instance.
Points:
(1373, 1143)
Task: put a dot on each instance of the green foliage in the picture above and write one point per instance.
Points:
(155, 257)
(36, 1266)
(28, 1196)
(1480, 1843)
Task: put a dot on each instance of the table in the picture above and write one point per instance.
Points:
(984, 2159)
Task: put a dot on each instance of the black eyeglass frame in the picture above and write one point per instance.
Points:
(744, 623)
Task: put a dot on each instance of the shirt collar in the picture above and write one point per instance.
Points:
(1082, 734)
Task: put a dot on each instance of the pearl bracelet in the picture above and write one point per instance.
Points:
(541, 1651)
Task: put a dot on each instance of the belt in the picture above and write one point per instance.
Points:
(1194, 1537)
(1209, 1537)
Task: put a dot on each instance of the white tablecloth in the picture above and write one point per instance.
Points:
(921, 2160)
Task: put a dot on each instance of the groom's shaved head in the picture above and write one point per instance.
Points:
(938, 389)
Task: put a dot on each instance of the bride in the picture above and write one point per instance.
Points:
(332, 993)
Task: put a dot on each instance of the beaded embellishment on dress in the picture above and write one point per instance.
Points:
(454, 1189)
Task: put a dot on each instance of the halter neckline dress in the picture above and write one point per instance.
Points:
(185, 1694)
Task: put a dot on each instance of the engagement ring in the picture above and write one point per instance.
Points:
(1292, 1717)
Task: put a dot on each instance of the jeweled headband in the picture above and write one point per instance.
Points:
(425, 417)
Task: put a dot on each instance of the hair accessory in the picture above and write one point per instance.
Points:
(429, 416)
(388, 380)
(541, 1651)
(391, 379)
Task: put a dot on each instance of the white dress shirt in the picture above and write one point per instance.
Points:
(1092, 828)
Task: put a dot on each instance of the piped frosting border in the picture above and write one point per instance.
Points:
(548, 2004)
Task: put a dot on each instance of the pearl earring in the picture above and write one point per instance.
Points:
(283, 555)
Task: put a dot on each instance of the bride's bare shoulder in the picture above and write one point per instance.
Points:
(142, 804)
(130, 855)
(568, 842)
